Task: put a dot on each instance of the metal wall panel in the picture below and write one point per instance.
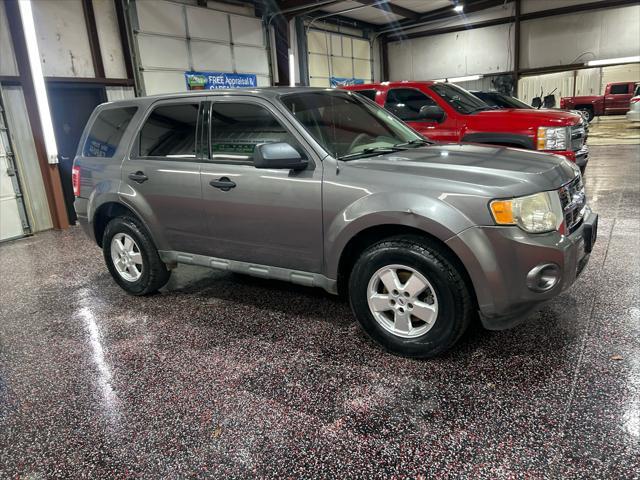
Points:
(156, 82)
(251, 60)
(8, 64)
(337, 55)
(62, 38)
(587, 82)
(478, 51)
(317, 42)
(620, 73)
(246, 31)
(120, 93)
(211, 56)
(27, 159)
(580, 37)
(173, 38)
(159, 16)
(208, 25)
(10, 221)
(163, 52)
(109, 37)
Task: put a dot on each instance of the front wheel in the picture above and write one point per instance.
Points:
(409, 297)
(132, 258)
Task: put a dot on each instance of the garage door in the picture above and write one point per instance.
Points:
(171, 38)
(13, 219)
(337, 56)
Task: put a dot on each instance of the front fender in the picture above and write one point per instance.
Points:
(429, 215)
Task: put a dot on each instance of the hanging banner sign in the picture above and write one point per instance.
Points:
(216, 80)
(343, 82)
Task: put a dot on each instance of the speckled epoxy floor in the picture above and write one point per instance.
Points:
(235, 377)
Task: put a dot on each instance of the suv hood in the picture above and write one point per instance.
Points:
(523, 116)
(481, 170)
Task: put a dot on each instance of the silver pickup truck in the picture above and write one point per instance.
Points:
(324, 188)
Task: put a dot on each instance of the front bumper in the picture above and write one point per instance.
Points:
(633, 115)
(499, 259)
(579, 157)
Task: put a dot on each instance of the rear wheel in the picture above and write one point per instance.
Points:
(132, 258)
(409, 297)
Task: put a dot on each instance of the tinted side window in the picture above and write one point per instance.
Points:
(406, 103)
(370, 94)
(106, 131)
(170, 131)
(619, 89)
(236, 129)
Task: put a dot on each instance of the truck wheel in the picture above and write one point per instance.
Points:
(588, 113)
(132, 258)
(409, 297)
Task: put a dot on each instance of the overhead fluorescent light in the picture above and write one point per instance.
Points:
(613, 61)
(468, 78)
(292, 72)
(42, 100)
(458, 8)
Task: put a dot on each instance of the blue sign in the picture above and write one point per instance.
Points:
(343, 82)
(96, 148)
(216, 80)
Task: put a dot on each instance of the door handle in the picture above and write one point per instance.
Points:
(223, 184)
(138, 176)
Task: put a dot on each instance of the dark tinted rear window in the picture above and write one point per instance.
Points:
(170, 131)
(106, 131)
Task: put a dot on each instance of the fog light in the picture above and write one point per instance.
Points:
(543, 277)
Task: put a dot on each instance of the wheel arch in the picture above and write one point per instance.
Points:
(373, 234)
(108, 211)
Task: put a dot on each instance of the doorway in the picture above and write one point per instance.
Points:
(71, 107)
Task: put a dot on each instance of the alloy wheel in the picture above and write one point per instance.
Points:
(402, 301)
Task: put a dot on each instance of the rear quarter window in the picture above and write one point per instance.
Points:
(106, 132)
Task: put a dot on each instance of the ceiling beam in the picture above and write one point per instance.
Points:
(386, 6)
(304, 5)
(341, 20)
(584, 7)
(470, 6)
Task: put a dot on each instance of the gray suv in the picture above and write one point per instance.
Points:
(324, 188)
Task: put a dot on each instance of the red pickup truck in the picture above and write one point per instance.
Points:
(445, 112)
(615, 100)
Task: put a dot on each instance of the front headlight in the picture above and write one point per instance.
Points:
(552, 138)
(536, 213)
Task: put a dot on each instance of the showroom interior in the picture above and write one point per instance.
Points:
(247, 369)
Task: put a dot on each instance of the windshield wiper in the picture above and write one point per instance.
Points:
(414, 143)
(371, 151)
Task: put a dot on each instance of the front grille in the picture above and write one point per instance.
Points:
(573, 201)
(577, 137)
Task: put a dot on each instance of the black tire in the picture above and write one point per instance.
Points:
(455, 306)
(154, 272)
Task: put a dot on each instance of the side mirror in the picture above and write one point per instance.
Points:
(536, 102)
(278, 155)
(431, 112)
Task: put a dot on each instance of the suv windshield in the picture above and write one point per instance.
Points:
(348, 126)
(501, 100)
(459, 98)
